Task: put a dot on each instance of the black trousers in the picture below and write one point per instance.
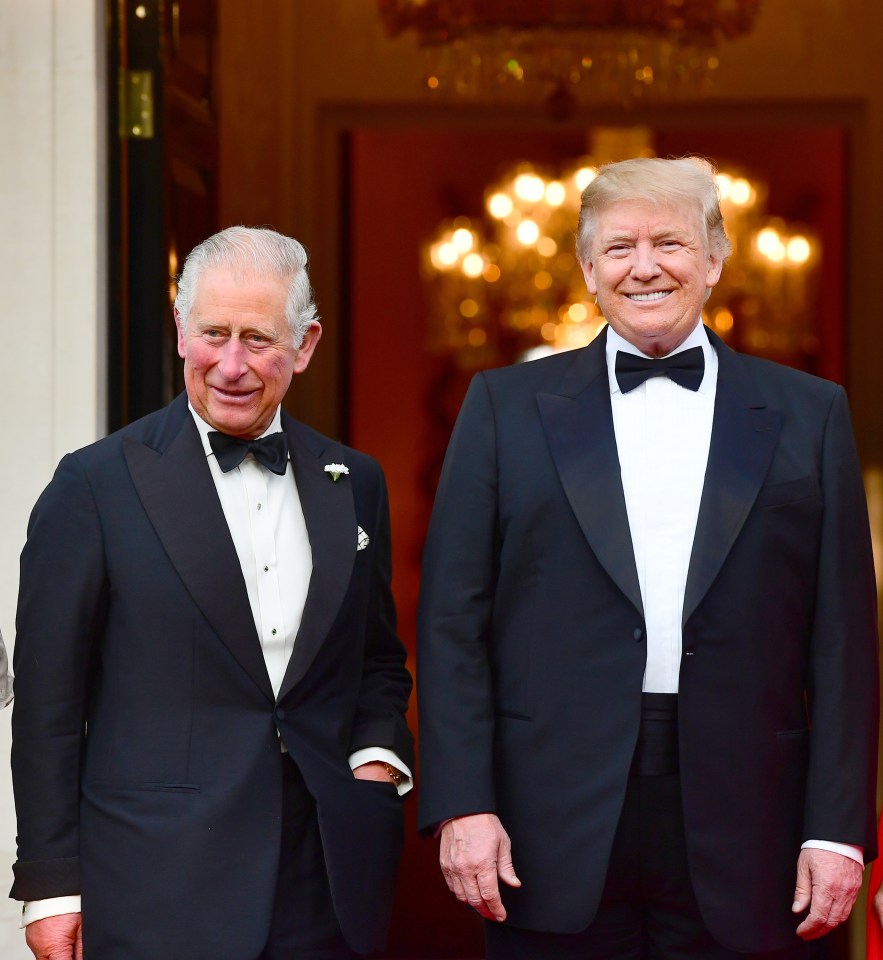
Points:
(648, 910)
(304, 926)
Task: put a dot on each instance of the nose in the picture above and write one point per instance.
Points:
(644, 264)
(232, 363)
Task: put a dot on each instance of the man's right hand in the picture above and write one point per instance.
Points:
(56, 938)
(474, 852)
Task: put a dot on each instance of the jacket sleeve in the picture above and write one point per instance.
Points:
(843, 682)
(59, 619)
(460, 562)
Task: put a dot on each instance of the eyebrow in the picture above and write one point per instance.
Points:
(661, 234)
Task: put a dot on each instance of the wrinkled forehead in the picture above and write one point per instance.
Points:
(223, 280)
(632, 217)
(244, 300)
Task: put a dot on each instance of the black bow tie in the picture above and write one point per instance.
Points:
(271, 451)
(686, 368)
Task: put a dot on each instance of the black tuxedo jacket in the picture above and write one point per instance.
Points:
(145, 756)
(532, 640)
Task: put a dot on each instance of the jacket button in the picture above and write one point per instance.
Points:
(638, 634)
(280, 714)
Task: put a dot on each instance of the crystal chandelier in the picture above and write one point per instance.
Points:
(561, 50)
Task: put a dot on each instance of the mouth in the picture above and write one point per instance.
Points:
(233, 396)
(648, 297)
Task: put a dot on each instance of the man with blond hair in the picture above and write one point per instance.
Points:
(647, 643)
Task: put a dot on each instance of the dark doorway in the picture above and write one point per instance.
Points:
(163, 186)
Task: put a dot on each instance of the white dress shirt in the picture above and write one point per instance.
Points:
(663, 434)
(266, 521)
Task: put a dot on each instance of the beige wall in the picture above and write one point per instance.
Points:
(51, 289)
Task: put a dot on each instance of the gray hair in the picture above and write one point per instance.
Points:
(257, 250)
(680, 182)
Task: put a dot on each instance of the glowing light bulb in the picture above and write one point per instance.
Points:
(527, 232)
(473, 265)
(462, 240)
(798, 249)
(499, 206)
(724, 184)
(584, 176)
(529, 187)
(447, 254)
(740, 192)
(555, 193)
(723, 320)
(768, 241)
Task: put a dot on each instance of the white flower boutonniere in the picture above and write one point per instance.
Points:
(336, 470)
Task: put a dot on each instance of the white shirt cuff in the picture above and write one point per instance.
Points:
(369, 754)
(33, 910)
(844, 849)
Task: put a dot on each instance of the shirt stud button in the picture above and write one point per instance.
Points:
(273, 631)
(266, 568)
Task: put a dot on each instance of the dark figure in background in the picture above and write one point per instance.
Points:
(647, 652)
(209, 730)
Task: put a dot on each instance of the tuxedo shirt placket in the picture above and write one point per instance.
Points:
(274, 628)
(266, 521)
(663, 435)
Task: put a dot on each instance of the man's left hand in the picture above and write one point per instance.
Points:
(827, 883)
(374, 770)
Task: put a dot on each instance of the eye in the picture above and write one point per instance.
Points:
(618, 249)
(671, 245)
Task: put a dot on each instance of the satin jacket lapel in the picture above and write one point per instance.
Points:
(744, 435)
(578, 423)
(330, 516)
(175, 485)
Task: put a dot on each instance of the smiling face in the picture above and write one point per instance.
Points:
(650, 271)
(239, 356)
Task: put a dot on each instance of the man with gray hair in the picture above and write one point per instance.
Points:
(209, 741)
(647, 638)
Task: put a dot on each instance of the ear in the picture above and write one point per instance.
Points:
(305, 351)
(589, 273)
(180, 327)
(713, 274)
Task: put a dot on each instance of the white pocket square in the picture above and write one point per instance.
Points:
(363, 539)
